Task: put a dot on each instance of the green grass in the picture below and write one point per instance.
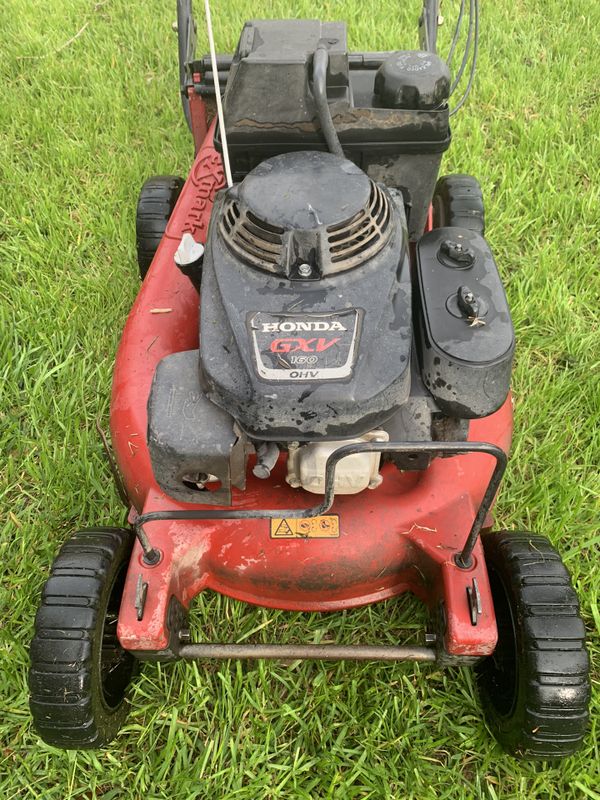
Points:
(82, 124)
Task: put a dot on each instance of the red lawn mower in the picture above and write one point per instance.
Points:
(310, 406)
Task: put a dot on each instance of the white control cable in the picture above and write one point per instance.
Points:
(213, 61)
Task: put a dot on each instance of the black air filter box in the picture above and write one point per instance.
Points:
(466, 337)
(190, 438)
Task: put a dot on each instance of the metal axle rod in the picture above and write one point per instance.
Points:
(326, 652)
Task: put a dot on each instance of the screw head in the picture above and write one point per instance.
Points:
(305, 270)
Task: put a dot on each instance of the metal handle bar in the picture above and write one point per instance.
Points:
(463, 559)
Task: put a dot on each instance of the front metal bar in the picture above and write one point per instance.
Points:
(325, 652)
(462, 560)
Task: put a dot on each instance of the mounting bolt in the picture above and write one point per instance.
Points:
(305, 270)
(185, 636)
(267, 454)
(463, 564)
(151, 557)
(430, 638)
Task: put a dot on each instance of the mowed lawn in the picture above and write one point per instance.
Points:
(88, 110)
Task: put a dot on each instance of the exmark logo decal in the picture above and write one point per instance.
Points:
(328, 355)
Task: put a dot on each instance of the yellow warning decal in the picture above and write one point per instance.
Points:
(313, 528)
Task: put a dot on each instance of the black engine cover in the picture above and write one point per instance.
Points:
(323, 356)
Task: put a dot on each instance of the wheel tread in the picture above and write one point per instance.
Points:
(555, 688)
(157, 200)
(63, 697)
(458, 202)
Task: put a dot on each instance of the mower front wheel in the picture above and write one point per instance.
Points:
(156, 202)
(79, 672)
(535, 687)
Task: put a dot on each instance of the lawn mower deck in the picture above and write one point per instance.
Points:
(311, 406)
(417, 522)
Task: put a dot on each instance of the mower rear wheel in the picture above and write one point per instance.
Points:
(156, 202)
(79, 672)
(458, 202)
(535, 687)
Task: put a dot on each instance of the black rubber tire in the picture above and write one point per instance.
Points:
(535, 688)
(79, 673)
(458, 202)
(156, 202)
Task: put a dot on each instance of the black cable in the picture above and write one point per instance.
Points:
(465, 58)
(457, 30)
(469, 85)
(320, 64)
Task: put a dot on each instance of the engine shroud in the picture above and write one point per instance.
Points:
(305, 324)
(306, 209)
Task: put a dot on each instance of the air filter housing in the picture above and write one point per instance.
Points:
(306, 215)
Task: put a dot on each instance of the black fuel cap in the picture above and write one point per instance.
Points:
(413, 79)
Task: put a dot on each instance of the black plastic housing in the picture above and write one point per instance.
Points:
(356, 323)
(465, 349)
(189, 436)
(270, 109)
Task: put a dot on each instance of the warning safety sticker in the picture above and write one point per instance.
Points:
(327, 527)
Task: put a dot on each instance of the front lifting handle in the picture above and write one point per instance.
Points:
(464, 559)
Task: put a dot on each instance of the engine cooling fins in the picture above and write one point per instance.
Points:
(283, 221)
(355, 240)
(251, 238)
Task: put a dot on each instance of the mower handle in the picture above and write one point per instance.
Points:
(428, 25)
(462, 559)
